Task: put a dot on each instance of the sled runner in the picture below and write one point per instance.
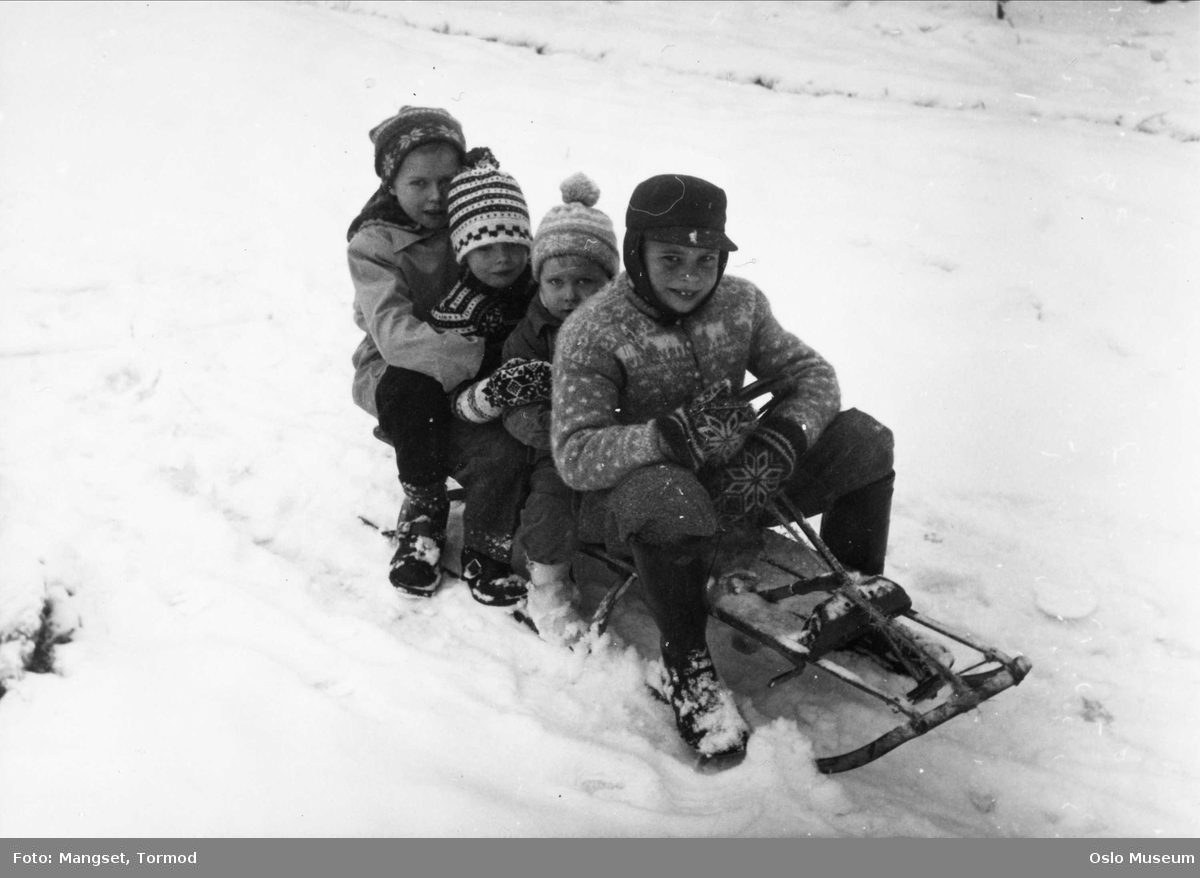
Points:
(819, 616)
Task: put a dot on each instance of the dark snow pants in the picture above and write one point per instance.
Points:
(849, 464)
(664, 517)
(546, 533)
(432, 445)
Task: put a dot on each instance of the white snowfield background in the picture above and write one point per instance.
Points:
(988, 226)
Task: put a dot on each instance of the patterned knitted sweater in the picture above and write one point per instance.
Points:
(616, 368)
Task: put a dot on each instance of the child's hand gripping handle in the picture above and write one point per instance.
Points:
(766, 459)
(709, 429)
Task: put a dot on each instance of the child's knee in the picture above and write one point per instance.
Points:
(873, 442)
(661, 505)
(410, 402)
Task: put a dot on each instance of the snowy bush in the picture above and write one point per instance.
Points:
(33, 621)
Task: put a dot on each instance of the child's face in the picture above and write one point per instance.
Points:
(422, 184)
(567, 281)
(498, 265)
(682, 277)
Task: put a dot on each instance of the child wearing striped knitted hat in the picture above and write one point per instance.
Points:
(491, 236)
(402, 263)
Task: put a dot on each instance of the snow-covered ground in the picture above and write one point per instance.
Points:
(988, 226)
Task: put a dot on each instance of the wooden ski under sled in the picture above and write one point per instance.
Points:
(800, 609)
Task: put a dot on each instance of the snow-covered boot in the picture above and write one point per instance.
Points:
(706, 715)
(492, 582)
(553, 604)
(856, 531)
(673, 582)
(421, 536)
(415, 566)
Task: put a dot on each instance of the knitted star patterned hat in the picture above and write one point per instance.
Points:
(486, 206)
(409, 129)
(576, 228)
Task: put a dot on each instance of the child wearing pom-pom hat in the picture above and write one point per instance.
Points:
(574, 255)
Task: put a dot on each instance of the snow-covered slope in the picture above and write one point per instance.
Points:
(988, 226)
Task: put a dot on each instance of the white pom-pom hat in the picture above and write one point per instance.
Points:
(577, 228)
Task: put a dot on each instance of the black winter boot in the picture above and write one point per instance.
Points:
(673, 582)
(856, 531)
(706, 715)
(421, 535)
(856, 528)
(492, 582)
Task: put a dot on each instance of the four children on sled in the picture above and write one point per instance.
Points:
(576, 402)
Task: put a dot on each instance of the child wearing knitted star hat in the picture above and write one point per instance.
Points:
(402, 262)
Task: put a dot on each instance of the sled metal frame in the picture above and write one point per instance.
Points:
(974, 688)
(992, 674)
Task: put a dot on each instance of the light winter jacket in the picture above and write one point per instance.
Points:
(616, 368)
(399, 275)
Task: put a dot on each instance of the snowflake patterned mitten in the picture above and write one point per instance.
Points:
(743, 487)
(709, 429)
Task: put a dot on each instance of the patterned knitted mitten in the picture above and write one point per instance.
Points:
(742, 488)
(518, 382)
(709, 429)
